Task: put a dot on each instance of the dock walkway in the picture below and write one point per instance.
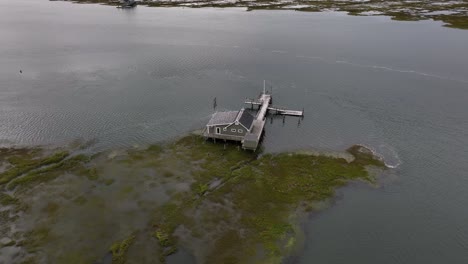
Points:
(282, 111)
(252, 138)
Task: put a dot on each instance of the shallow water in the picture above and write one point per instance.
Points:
(119, 78)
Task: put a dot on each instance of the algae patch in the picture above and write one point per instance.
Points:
(220, 203)
(119, 250)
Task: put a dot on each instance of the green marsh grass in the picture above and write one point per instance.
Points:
(242, 206)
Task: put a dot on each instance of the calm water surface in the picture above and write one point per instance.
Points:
(118, 78)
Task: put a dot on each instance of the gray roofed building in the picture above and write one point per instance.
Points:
(230, 125)
(223, 118)
(232, 117)
(246, 119)
(242, 125)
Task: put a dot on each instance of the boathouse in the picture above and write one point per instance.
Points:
(230, 125)
(243, 126)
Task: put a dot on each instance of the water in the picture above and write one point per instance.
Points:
(119, 78)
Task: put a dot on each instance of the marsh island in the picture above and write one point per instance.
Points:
(451, 13)
(215, 202)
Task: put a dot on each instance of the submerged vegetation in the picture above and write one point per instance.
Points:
(452, 13)
(222, 204)
(21, 162)
(119, 250)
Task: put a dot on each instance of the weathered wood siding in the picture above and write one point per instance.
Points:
(236, 127)
(228, 131)
(212, 130)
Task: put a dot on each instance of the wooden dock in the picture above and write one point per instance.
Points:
(275, 109)
(252, 138)
(282, 111)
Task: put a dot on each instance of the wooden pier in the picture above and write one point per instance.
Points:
(276, 110)
(282, 111)
(252, 138)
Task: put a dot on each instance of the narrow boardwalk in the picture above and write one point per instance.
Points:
(252, 138)
(281, 111)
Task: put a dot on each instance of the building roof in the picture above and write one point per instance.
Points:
(245, 118)
(231, 117)
(220, 118)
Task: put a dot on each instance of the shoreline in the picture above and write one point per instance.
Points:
(454, 14)
(181, 192)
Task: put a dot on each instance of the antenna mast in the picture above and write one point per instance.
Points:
(264, 87)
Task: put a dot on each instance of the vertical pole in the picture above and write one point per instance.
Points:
(263, 86)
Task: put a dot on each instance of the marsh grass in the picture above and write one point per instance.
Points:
(398, 9)
(54, 170)
(80, 200)
(51, 208)
(26, 163)
(6, 199)
(263, 192)
(119, 250)
(242, 206)
(36, 238)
